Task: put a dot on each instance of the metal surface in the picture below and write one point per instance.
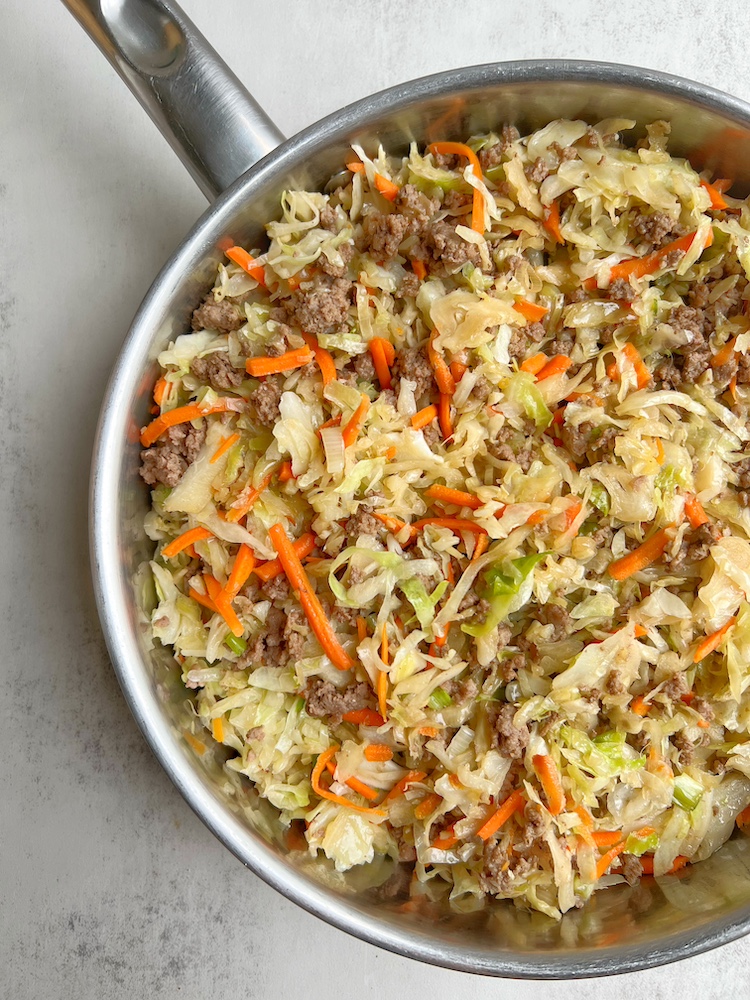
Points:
(620, 930)
(213, 124)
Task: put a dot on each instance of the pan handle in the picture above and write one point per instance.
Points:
(210, 120)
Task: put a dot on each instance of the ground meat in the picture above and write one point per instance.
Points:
(295, 633)
(266, 646)
(563, 344)
(534, 825)
(224, 317)
(695, 547)
(668, 374)
(457, 201)
(323, 699)
(614, 684)
(276, 589)
(412, 364)
(588, 437)
(686, 748)
(697, 360)
(632, 869)
(602, 537)
(361, 523)
(447, 247)
(510, 740)
(325, 307)
(724, 374)
(743, 369)
(461, 691)
(482, 389)
(328, 219)
(345, 616)
(656, 227)
(538, 170)
(217, 370)
(508, 668)
(675, 687)
(346, 250)
(416, 207)
(397, 885)
(502, 871)
(433, 436)
(504, 452)
(406, 850)
(410, 285)
(266, 400)
(473, 600)
(364, 367)
(690, 321)
(621, 290)
(491, 156)
(553, 614)
(383, 234)
(703, 708)
(166, 461)
(698, 295)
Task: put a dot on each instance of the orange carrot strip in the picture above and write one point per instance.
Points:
(308, 598)
(428, 805)
(445, 840)
(586, 818)
(458, 370)
(356, 167)
(733, 387)
(408, 779)
(551, 782)
(744, 817)
(429, 731)
(303, 546)
(639, 631)
(460, 498)
(513, 804)
(643, 375)
(555, 366)
(444, 415)
(200, 748)
(724, 355)
(285, 472)
(364, 717)
(183, 414)
(640, 706)
(323, 793)
(445, 381)
(537, 517)
(382, 692)
(640, 266)
(353, 427)
(552, 222)
(217, 730)
(323, 358)
(378, 752)
(380, 361)
(247, 263)
(418, 267)
(712, 642)
(244, 564)
(572, 513)
(530, 310)
(424, 417)
(361, 628)
(641, 557)
(454, 523)
(695, 512)
(604, 862)
(535, 363)
(386, 187)
(160, 390)
(606, 838)
(223, 605)
(185, 539)
(480, 547)
(224, 447)
(461, 149)
(679, 862)
(298, 358)
(202, 599)
(395, 524)
(355, 784)
(714, 193)
(235, 514)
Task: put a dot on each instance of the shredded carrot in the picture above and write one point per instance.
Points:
(183, 414)
(679, 862)
(294, 281)
(480, 546)
(391, 453)
(203, 599)
(355, 784)
(364, 717)
(641, 557)
(303, 546)
(395, 524)
(241, 507)
(555, 366)
(444, 494)
(445, 840)
(307, 597)
(356, 167)
(659, 451)
(733, 387)
(361, 628)
(217, 728)
(461, 149)
(324, 793)
(428, 805)
(378, 752)
(537, 517)
(353, 427)
(200, 748)
(445, 381)
(586, 818)
(160, 390)
(552, 222)
(695, 512)
(647, 864)
(744, 817)
(418, 267)
(381, 350)
(247, 263)
(244, 564)
(571, 513)
(454, 523)
(223, 605)
(712, 642)
(604, 862)
(224, 447)
(429, 731)
(640, 266)
(458, 370)
(640, 706)
(513, 804)
(642, 374)
(606, 838)
(185, 539)
(551, 782)
(298, 358)
(535, 363)
(724, 355)
(401, 786)
(424, 417)
(531, 311)
(285, 472)
(386, 187)
(444, 415)
(323, 358)
(715, 194)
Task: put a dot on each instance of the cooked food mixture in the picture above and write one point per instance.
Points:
(451, 497)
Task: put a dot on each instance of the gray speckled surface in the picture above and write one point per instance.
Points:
(110, 888)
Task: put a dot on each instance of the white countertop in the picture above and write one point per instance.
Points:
(109, 886)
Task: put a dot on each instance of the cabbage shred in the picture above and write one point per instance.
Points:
(485, 628)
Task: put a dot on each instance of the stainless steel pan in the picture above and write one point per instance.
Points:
(242, 163)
